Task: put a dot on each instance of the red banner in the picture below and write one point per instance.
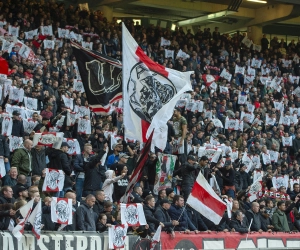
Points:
(231, 241)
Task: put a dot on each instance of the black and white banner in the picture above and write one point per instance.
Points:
(101, 77)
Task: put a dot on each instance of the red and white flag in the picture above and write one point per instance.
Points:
(7, 126)
(49, 139)
(71, 118)
(74, 148)
(150, 92)
(35, 220)
(116, 236)
(132, 214)
(155, 239)
(61, 210)
(204, 199)
(138, 171)
(54, 180)
(29, 125)
(25, 211)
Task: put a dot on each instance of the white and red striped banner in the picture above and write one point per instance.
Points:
(204, 199)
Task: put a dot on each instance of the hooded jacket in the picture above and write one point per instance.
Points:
(279, 221)
(108, 185)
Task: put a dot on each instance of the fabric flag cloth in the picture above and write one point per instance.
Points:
(255, 188)
(7, 126)
(83, 111)
(204, 199)
(49, 44)
(101, 77)
(30, 103)
(71, 118)
(116, 236)
(156, 238)
(138, 171)
(16, 94)
(84, 126)
(68, 101)
(54, 180)
(49, 139)
(132, 214)
(25, 211)
(15, 142)
(61, 210)
(47, 30)
(150, 92)
(78, 86)
(164, 171)
(2, 168)
(35, 220)
(74, 148)
(280, 181)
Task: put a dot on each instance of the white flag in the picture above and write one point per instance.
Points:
(63, 33)
(54, 180)
(84, 126)
(25, 211)
(2, 168)
(49, 44)
(132, 214)
(239, 70)
(78, 86)
(164, 42)
(49, 139)
(15, 142)
(169, 53)
(71, 118)
(144, 101)
(7, 126)
(156, 238)
(74, 148)
(87, 45)
(116, 236)
(16, 94)
(14, 31)
(226, 75)
(61, 210)
(35, 220)
(30, 103)
(47, 30)
(68, 102)
(30, 34)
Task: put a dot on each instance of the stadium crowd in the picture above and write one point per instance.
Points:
(96, 187)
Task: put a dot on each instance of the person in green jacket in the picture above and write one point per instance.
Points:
(279, 219)
(22, 159)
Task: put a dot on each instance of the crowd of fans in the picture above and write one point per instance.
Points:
(96, 187)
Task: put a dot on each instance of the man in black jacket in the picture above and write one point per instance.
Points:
(4, 152)
(17, 127)
(254, 215)
(99, 204)
(59, 159)
(161, 214)
(188, 173)
(149, 210)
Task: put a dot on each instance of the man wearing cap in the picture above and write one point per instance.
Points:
(17, 127)
(188, 173)
(170, 194)
(21, 193)
(161, 214)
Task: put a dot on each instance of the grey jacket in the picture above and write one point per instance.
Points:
(85, 218)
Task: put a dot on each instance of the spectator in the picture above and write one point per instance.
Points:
(17, 127)
(102, 224)
(99, 203)
(22, 159)
(254, 215)
(279, 219)
(114, 157)
(161, 214)
(38, 154)
(108, 185)
(85, 216)
(11, 178)
(238, 224)
(7, 195)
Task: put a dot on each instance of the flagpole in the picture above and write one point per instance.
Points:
(249, 228)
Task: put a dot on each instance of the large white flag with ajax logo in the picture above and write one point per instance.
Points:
(150, 93)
